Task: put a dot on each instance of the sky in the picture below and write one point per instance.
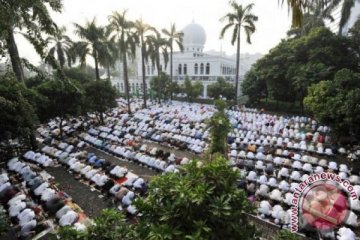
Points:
(273, 23)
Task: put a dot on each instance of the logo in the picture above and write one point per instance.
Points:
(321, 202)
(324, 206)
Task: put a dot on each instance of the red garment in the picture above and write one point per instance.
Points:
(121, 180)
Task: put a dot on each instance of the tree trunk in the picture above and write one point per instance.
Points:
(126, 81)
(60, 127)
(171, 70)
(33, 142)
(143, 70)
(158, 61)
(14, 55)
(237, 68)
(108, 72)
(101, 118)
(96, 66)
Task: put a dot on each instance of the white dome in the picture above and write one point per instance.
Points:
(194, 36)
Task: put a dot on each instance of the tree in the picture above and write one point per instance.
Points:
(162, 86)
(173, 36)
(298, 7)
(110, 225)
(32, 16)
(155, 45)
(192, 90)
(18, 118)
(100, 96)
(254, 85)
(221, 88)
(62, 47)
(4, 221)
(355, 36)
(80, 50)
(122, 30)
(310, 21)
(80, 75)
(285, 235)
(202, 201)
(142, 29)
(309, 59)
(240, 18)
(108, 53)
(63, 98)
(94, 43)
(336, 103)
(219, 125)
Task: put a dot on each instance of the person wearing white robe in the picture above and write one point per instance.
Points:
(25, 216)
(41, 188)
(26, 228)
(265, 208)
(16, 208)
(276, 195)
(68, 219)
(345, 233)
(62, 211)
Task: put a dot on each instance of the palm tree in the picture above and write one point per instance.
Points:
(123, 33)
(298, 7)
(346, 8)
(94, 37)
(30, 15)
(240, 18)
(62, 47)
(108, 53)
(173, 36)
(79, 50)
(142, 29)
(157, 45)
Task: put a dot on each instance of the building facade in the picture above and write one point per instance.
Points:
(192, 62)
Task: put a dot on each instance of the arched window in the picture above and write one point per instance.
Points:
(207, 71)
(201, 68)
(179, 69)
(196, 68)
(185, 69)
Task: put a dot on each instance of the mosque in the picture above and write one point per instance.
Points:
(193, 62)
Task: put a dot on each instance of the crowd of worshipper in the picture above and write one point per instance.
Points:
(273, 153)
(111, 180)
(33, 202)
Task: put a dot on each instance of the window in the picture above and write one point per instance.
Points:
(185, 69)
(148, 69)
(122, 87)
(152, 70)
(118, 86)
(141, 86)
(179, 69)
(133, 87)
(196, 68)
(160, 68)
(207, 71)
(137, 86)
(201, 68)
